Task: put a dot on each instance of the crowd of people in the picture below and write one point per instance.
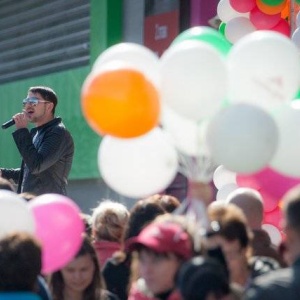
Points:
(154, 251)
(159, 249)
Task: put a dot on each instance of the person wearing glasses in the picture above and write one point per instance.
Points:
(47, 150)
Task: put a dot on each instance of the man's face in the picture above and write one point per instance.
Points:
(158, 271)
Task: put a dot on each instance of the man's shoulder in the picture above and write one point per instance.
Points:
(276, 284)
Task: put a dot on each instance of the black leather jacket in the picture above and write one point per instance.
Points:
(47, 153)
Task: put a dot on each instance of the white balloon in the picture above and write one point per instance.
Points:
(274, 233)
(263, 69)
(186, 134)
(194, 79)
(296, 37)
(137, 56)
(222, 177)
(225, 190)
(226, 12)
(15, 215)
(286, 158)
(138, 167)
(298, 19)
(237, 28)
(243, 138)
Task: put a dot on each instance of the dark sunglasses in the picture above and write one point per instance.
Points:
(33, 101)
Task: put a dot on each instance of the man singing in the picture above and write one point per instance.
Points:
(47, 150)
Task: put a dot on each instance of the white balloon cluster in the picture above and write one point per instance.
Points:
(220, 106)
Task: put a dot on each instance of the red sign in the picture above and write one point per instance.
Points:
(160, 30)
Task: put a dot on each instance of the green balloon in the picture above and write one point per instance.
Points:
(222, 28)
(297, 1)
(297, 96)
(205, 34)
(273, 2)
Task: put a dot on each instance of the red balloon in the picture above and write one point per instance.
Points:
(282, 27)
(263, 21)
(242, 6)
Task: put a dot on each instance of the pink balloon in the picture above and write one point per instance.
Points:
(282, 27)
(263, 21)
(271, 184)
(274, 217)
(59, 227)
(242, 6)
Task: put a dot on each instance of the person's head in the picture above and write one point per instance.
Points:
(39, 106)
(202, 278)
(169, 203)
(251, 203)
(6, 185)
(46, 93)
(232, 234)
(143, 212)
(20, 262)
(80, 276)
(291, 222)
(87, 221)
(162, 246)
(109, 219)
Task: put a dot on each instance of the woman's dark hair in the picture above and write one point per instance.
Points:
(93, 291)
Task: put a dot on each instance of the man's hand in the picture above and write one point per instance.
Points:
(20, 120)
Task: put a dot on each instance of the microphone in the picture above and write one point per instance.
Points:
(8, 124)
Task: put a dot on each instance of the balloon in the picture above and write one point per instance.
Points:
(262, 69)
(263, 21)
(138, 167)
(194, 79)
(286, 158)
(270, 10)
(298, 19)
(225, 190)
(138, 56)
(238, 27)
(285, 13)
(271, 184)
(222, 28)
(274, 218)
(207, 35)
(242, 6)
(14, 214)
(59, 227)
(274, 233)
(272, 2)
(242, 137)
(120, 102)
(296, 37)
(222, 177)
(226, 12)
(282, 27)
(186, 133)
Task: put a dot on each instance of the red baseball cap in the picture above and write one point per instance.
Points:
(165, 237)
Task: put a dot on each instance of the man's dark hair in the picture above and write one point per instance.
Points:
(20, 262)
(47, 93)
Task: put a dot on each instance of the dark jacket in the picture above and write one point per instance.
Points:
(277, 285)
(47, 153)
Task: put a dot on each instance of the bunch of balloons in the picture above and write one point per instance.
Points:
(241, 17)
(53, 219)
(203, 98)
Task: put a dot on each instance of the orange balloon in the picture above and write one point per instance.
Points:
(121, 103)
(285, 14)
(270, 10)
